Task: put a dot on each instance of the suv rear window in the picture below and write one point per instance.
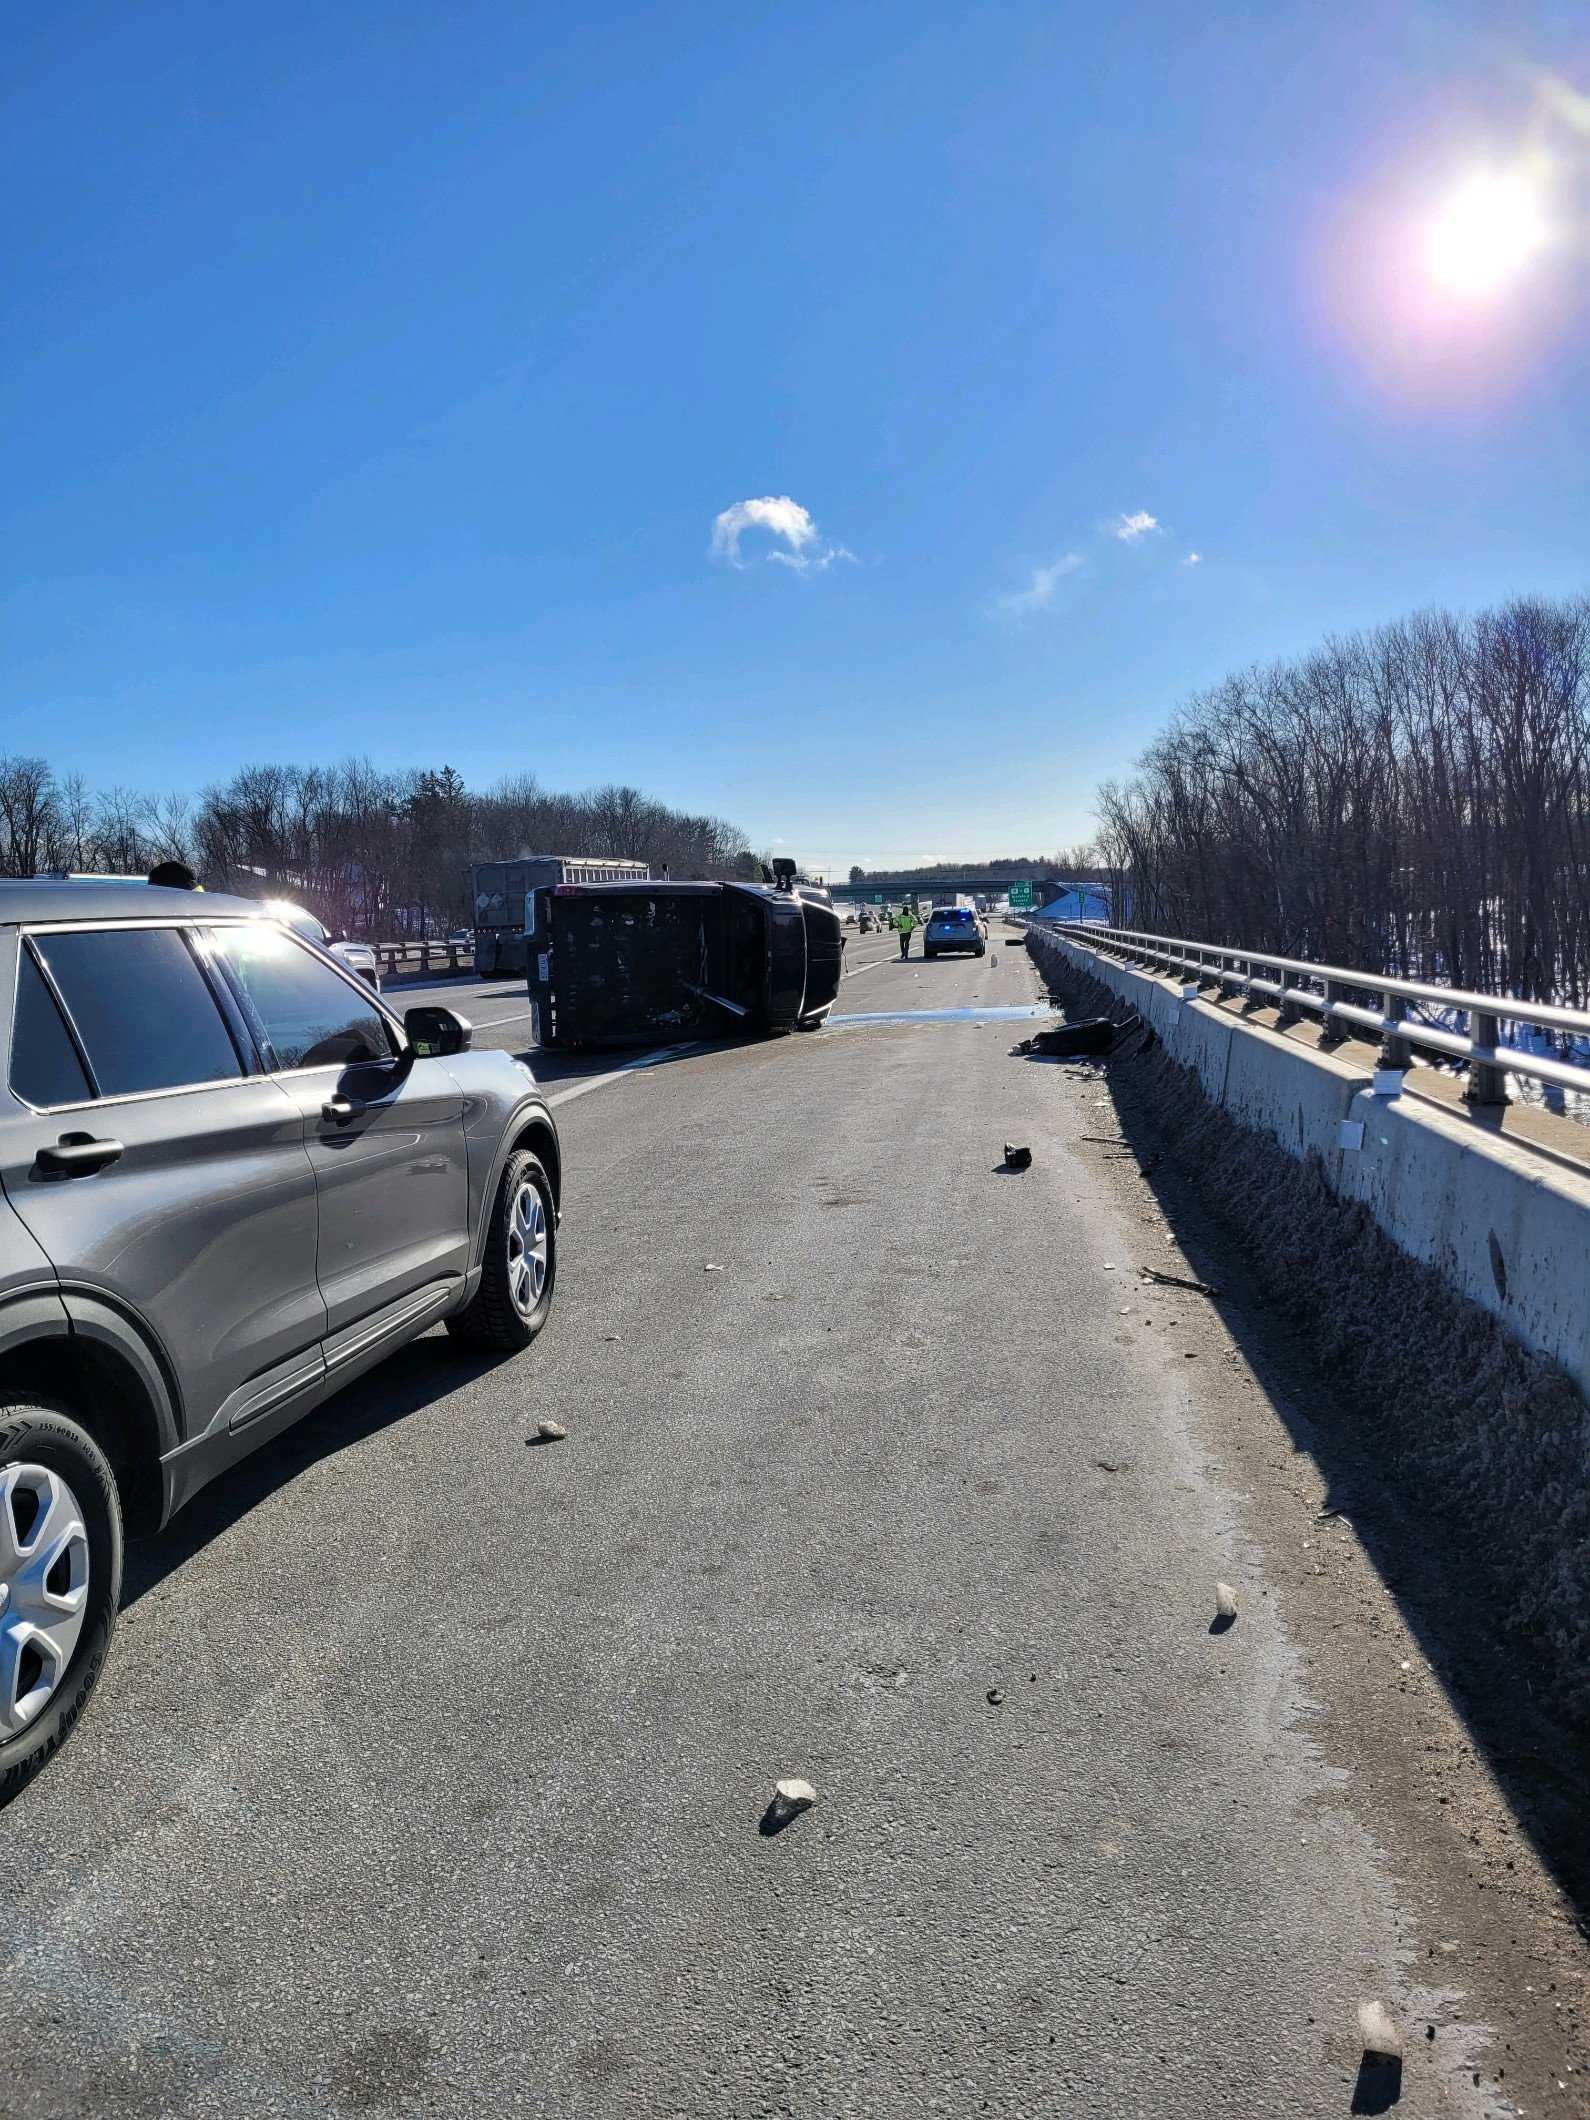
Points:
(948, 915)
(45, 1068)
(142, 1007)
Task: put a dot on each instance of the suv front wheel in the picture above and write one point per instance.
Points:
(60, 1581)
(521, 1264)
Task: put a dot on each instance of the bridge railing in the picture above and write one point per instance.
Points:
(398, 957)
(1296, 986)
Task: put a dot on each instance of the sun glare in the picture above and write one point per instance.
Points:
(1486, 234)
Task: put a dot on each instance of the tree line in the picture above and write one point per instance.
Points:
(1413, 800)
(376, 854)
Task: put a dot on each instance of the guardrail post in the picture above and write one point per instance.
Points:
(1395, 1052)
(1331, 1032)
(1285, 1011)
(1486, 1084)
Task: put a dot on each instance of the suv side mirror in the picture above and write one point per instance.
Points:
(434, 1032)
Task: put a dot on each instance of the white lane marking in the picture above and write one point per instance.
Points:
(663, 1052)
(860, 968)
(490, 1023)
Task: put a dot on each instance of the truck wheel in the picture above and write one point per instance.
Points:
(515, 1294)
(60, 1582)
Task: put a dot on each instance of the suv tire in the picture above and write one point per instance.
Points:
(48, 1462)
(508, 1309)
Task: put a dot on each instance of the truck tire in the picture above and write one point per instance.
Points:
(60, 1568)
(514, 1298)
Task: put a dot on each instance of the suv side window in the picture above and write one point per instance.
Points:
(142, 1008)
(45, 1068)
(302, 1012)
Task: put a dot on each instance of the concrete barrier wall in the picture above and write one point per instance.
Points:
(1506, 1224)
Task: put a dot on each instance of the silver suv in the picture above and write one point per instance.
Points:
(230, 1180)
(954, 927)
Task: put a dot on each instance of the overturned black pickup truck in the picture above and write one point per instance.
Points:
(660, 963)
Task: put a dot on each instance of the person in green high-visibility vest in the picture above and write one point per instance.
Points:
(906, 925)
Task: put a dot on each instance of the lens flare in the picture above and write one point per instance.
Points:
(1486, 234)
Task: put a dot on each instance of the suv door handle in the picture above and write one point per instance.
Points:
(339, 1109)
(76, 1156)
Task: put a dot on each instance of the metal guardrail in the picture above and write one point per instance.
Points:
(425, 956)
(1482, 1052)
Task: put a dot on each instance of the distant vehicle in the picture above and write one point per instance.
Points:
(462, 938)
(231, 1180)
(359, 957)
(653, 963)
(866, 920)
(953, 927)
(850, 916)
(498, 890)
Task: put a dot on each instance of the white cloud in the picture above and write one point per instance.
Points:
(1129, 528)
(1193, 559)
(799, 543)
(1039, 592)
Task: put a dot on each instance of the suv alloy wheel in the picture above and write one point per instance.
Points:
(60, 1581)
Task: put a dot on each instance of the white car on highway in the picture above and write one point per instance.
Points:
(359, 957)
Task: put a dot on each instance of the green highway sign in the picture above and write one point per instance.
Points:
(1020, 894)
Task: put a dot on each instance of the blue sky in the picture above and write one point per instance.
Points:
(376, 376)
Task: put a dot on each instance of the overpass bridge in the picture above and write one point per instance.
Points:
(892, 888)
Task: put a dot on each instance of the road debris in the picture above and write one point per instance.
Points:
(1018, 1156)
(550, 1432)
(996, 1695)
(1225, 1601)
(1379, 2034)
(710, 1268)
(1176, 1280)
(790, 1798)
(1093, 1036)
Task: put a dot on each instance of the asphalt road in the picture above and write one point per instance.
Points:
(428, 1771)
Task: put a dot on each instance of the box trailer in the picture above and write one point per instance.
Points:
(498, 894)
(660, 963)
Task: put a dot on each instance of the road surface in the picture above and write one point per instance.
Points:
(428, 1772)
